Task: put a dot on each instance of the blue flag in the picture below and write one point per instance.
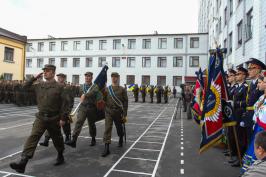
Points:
(101, 79)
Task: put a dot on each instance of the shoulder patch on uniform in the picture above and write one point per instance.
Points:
(246, 85)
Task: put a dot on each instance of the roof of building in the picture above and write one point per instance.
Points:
(11, 35)
(117, 36)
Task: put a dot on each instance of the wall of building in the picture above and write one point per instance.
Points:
(16, 67)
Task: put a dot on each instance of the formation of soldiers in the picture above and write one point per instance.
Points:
(15, 92)
(55, 100)
(159, 92)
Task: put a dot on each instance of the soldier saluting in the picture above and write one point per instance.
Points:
(52, 107)
(116, 105)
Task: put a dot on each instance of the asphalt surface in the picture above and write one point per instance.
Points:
(159, 143)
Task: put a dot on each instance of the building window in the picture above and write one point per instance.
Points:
(39, 62)
(29, 47)
(145, 80)
(131, 44)
(131, 61)
(162, 43)
(89, 62)
(225, 43)
(230, 42)
(9, 54)
(40, 46)
(225, 16)
(76, 62)
(178, 43)
(116, 44)
(116, 61)
(51, 61)
(8, 76)
(75, 79)
(231, 7)
(194, 61)
(161, 80)
(102, 44)
(130, 79)
(28, 63)
(146, 43)
(51, 46)
(161, 62)
(63, 63)
(76, 46)
(146, 62)
(64, 45)
(89, 44)
(249, 24)
(220, 25)
(101, 61)
(239, 33)
(177, 80)
(194, 42)
(178, 61)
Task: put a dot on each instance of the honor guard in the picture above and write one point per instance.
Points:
(116, 105)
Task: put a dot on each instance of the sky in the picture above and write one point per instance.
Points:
(73, 18)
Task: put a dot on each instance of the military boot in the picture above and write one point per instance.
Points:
(45, 142)
(120, 143)
(72, 143)
(19, 166)
(67, 138)
(106, 151)
(60, 159)
(93, 141)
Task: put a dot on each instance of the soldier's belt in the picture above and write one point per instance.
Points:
(250, 108)
(48, 114)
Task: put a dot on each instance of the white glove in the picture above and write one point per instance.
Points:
(242, 124)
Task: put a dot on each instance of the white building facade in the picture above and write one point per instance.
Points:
(238, 25)
(156, 59)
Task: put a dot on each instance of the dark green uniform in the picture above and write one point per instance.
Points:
(87, 110)
(52, 106)
(143, 92)
(136, 93)
(114, 113)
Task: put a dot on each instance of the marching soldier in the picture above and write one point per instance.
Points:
(165, 94)
(87, 110)
(239, 108)
(52, 106)
(143, 92)
(66, 128)
(158, 91)
(115, 111)
(136, 92)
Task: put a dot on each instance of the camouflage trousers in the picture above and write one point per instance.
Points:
(38, 129)
(112, 116)
(83, 114)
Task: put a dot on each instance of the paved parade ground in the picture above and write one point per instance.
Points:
(158, 144)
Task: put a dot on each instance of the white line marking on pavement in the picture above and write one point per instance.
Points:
(149, 142)
(142, 149)
(112, 168)
(162, 149)
(16, 174)
(182, 148)
(133, 172)
(7, 175)
(182, 142)
(182, 139)
(133, 158)
(5, 128)
(182, 154)
(182, 162)
(182, 171)
(153, 137)
(10, 155)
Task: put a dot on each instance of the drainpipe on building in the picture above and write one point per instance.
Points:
(186, 58)
(244, 31)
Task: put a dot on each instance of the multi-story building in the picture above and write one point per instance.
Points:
(239, 26)
(12, 55)
(157, 59)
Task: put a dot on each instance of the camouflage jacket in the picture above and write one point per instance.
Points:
(52, 102)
